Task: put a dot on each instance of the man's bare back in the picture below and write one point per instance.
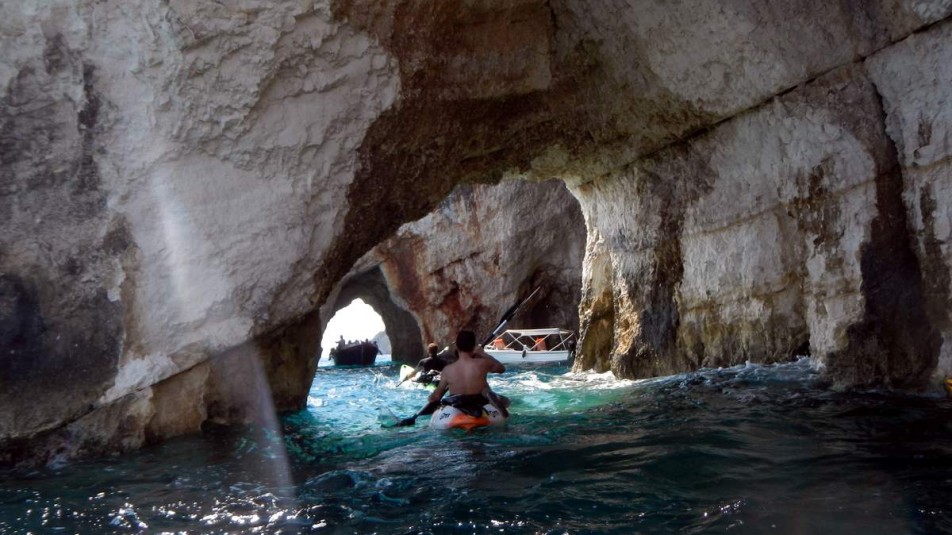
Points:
(467, 375)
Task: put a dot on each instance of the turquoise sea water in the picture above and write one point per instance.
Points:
(750, 449)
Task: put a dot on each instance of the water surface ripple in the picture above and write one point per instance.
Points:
(749, 449)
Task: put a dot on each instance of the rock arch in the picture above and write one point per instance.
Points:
(731, 178)
(481, 249)
(401, 326)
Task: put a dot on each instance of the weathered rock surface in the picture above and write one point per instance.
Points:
(914, 78)
(173, 176)
(61, 246)
(463, 265)
(185, 188)
(780, 231)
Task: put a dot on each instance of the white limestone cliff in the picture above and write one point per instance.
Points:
(466, 263)
(187, 190)
(218, 143)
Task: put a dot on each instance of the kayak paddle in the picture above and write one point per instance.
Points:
(431, 407)
(508, 316)
(407, 373)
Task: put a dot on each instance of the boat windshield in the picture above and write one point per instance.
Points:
(533, 340)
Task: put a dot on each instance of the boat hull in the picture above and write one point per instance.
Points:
(447, 417)
(360, 354)
(532, 346)
(509, 356)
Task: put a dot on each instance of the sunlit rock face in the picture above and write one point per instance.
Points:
(185, 188)
(777, 233)
(173, 176)
(806, 224)
(481, 251)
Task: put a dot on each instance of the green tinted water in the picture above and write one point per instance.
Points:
(744, 450)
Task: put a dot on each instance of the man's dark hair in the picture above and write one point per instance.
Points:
(466, 341)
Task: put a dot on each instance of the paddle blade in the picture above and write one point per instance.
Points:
(508, 316)
(406, 373)
(387, 418)
(406, 422)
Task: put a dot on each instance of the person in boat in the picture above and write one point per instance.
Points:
(465, 379)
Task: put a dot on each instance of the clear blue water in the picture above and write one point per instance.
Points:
(750, 449)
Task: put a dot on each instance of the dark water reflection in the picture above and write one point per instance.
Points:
(743, 450)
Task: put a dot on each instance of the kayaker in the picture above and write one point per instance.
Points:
(465, 379)
(431, 365)
(432, 362)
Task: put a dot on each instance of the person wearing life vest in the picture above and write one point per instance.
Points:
(434, 361)
(465, 379)
(430, 366)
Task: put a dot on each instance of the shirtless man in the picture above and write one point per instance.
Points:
(467, 376)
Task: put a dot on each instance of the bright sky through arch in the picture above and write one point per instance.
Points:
(356, 321)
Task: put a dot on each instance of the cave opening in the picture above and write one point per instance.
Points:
(371, 295)
(357, 321)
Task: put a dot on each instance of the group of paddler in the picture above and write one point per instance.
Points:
(471, 402)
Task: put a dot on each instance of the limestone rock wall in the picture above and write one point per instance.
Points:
(477, 254)
(638, 75)
(187, 188)
(173, 175)
(61, 248)
(780, 232)
(806, 224)
(914, 78)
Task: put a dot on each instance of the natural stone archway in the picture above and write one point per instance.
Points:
(637, 167)
(482, 249)
(401, 326)
(184, 184)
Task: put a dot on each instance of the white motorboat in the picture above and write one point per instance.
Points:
(530, 346)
